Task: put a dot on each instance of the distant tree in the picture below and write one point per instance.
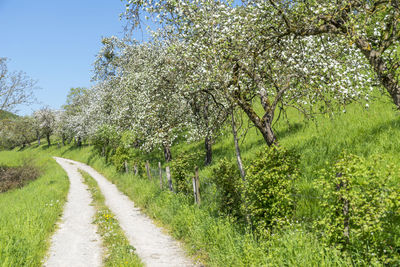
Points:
(15, 88)
(45, 119)
(37, 128)
(16, 132)
(61, 126)
(78, 102)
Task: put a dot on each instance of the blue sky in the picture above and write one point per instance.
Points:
(55, 42)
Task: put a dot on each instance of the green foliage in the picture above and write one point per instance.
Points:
(182, 171)
(267, 190)
(128, 139)
(16, 132)
(7, 115)
(227, 179)
(141, 167)
(120, 157)
(362, 209)
(106, 140)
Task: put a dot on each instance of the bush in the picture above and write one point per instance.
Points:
(106, 141)
(182, 171)
(267, 190)
(362, 210)
(227, 179)
(120, 157)
(17, 177)
(141, 167)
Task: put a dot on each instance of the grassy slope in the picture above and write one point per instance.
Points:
(28, 215)
(7, 115)
(217, 241)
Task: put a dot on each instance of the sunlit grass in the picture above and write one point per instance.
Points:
(28, 215)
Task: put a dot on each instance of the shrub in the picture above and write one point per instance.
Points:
(267, 190)
(361, 210)
(106, 140)
(17, 177)
(141, 167)
(120, 157)
(227, 179)
(182, 171)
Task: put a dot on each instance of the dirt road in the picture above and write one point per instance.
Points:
(154, 247)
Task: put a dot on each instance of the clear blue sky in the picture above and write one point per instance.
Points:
(56, 41)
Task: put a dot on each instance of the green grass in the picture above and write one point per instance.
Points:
(118, 251)
(28, 215)
(218, 241)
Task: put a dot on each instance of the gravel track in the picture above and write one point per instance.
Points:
(153, 246)
(75, 243)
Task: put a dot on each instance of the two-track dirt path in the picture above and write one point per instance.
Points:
(153, 246)
(76, 242)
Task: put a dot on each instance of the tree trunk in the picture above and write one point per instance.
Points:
(268, 133)
(208, 139)
(63, 140)
(264, 125)
(79, 143)
(237, 148)
(240, 165)
(387, 78)
(48, 139)
(167, 153)
(345, 210)
(38, 138)
(208, 147)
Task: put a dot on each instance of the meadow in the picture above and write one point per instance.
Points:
(28, 215)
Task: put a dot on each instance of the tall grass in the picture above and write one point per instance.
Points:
(28, 215)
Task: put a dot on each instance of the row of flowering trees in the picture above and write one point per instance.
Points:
(208, 59)
(21, 131)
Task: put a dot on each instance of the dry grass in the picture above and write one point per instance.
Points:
(17, 177)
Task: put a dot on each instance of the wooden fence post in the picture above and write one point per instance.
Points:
(196, 186)
(344, 186)
(160, 171)
(148, 169)
(169, 178)
(126, 166)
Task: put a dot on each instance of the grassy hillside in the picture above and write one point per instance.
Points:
(218, 240)
(28, 214)
(7, 115)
